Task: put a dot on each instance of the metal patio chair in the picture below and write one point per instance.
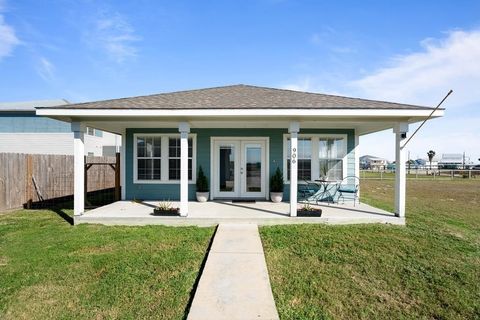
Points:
(349, 187)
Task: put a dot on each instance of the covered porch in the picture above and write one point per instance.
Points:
(214, 212)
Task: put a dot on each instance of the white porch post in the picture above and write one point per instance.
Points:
(293, 130)
(184, 129)
(357, 160)
(400, 131)
(123, 147)
(78, 130)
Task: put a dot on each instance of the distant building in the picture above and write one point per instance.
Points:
(22, 131)
(425, 163)
(373, 163)
(451, 161)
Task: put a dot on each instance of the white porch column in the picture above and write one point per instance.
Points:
(184, 129)
(400, 131)
(78, 130)
(122, 165)
(357, 159)
(293, 130)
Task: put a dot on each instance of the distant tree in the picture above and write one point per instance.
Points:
(430, 155)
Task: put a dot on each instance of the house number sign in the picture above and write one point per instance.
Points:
(294, 155)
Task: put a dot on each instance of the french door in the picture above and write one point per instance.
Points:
(239, 168)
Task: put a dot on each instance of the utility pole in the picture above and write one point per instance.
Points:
(408, 161)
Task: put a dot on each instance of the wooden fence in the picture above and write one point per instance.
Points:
(33, 178)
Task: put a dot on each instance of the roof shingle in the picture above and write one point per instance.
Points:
(239, 97)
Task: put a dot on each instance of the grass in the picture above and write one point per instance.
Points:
(51, 270)
(429, 269)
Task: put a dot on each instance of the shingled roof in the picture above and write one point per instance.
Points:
(239, 97)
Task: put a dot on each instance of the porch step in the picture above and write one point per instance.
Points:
(234, 283)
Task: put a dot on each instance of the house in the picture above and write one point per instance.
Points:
(239, 135)
(22, 131)
(451, 161)
(373, 163)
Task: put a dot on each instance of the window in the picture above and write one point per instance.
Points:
(157, 158)
(149, 156)
(94, 132)
(174, 158)
(304, 157)
(319, 155)
(331, 152)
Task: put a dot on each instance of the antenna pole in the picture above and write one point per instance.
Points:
(428, 118)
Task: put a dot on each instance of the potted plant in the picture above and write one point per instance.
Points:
(308, 211)
(202, 186)
(165, 208)
(276, 186)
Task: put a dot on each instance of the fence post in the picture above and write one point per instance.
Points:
(117, 176)
(381, 175)
(451, 175)
(469, 174)
(28, 182)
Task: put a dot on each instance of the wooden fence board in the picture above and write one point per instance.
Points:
(52, 174)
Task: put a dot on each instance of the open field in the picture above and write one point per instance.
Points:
(429, 269)
(51, 270)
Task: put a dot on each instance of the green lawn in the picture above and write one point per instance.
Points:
(51, 270)
(429, 269)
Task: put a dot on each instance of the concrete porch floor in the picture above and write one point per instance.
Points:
(214, 212)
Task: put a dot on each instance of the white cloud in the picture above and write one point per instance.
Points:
(45, 69)
(8, 39)
(425, 77)
(304, 84)
(113, 33)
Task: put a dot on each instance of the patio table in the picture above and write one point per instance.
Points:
(326, 193)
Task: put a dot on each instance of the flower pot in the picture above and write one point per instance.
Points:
(166, 212)
(202, 196)
(276, 196)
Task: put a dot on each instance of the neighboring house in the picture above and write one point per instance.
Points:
(239, 135)
(425, 163)
(373, 163)
(451, 161)
(22, 131)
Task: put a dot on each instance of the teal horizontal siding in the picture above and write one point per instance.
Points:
(28, 122)
(172, 191)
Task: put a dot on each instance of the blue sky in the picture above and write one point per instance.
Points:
(405, 51)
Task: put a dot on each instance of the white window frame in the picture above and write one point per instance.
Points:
(164, 158)
(315, 166)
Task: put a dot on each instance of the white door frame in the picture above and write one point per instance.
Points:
(239, 142)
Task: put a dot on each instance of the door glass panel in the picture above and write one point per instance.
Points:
(227, 169)
(254, 169)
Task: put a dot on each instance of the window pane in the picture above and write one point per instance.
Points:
(174, 147)
(227, 169)
(254, 169)
(140, 147)
(332, 169)
(304, 157)
(148, 169)
(174, 169)
(157, 147)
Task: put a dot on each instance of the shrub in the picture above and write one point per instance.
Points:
(202, 182)
(276, 181)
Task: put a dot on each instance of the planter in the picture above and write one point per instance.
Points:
(166, 212)
(276, 196)
(203, 196)
(309, 213)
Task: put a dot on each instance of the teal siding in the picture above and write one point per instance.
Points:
(172, 191)
(28, 122)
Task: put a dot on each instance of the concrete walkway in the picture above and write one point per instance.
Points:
(234, 283)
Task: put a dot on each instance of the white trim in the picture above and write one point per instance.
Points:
(315, 166)
(357, 159)
(123, 169)
(240, 112)
(239, 142)
(164, 158)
